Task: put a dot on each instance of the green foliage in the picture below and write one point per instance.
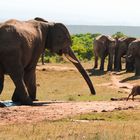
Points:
(119, 35)
(82, 45)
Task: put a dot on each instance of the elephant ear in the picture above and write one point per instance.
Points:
(64, 30)
(58, 37)
(40, 19)
(128, 40)
(111, 39)
(49, 36)
(102, 39)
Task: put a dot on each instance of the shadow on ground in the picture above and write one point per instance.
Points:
(96, 72)
(10, 103)
(130, 79)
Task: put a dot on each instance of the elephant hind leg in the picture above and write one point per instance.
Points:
(1, 80)
(20, 93)
(30, 81)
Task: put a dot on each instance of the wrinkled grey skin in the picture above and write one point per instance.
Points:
(133, 52)
(43, 53)
(121, 50)
(21, 44)
(104, 46)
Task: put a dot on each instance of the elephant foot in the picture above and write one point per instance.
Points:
(35, 100)
(101, 68)
(129, 70)
(109, 69)
(24, 101)
(117, 70)
(137, 74)
(95, 67)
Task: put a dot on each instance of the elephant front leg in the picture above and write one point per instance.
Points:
(118, 66)
(20, 93)
(102, 62)
(30, 81)
(110, 63)
(129, 66)
(96, 62)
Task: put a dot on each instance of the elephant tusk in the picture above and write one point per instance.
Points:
(129, 56)
(70, 58)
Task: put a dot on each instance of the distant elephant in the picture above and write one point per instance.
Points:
(21, 44)
(121, 50)
(104, 46)
(42, 58)
(133, 52)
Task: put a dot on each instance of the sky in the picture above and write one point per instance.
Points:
(74, 12)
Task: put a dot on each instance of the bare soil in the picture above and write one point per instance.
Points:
(58, 110)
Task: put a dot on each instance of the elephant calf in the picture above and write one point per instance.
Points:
(135, 91)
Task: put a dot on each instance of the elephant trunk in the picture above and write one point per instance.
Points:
(71, 57)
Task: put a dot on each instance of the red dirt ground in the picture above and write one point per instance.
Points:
(59, 110)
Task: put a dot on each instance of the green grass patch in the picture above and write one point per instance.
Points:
(125, 115)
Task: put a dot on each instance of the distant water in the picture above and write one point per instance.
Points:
(107, 30)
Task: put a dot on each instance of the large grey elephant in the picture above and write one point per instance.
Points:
(133, 52)
(121, 50)
(104, 46)
(21, 44)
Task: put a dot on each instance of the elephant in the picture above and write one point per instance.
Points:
(134, 92)
(42, 58)
(21, 44)
(104, 46)
(121, 50)
(133, 54)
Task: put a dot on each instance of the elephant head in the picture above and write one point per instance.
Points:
(133, 50)
(133, 55)
(58, 41)
(122, 47)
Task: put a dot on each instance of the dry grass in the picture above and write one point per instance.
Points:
(73, 130)
(69, 85)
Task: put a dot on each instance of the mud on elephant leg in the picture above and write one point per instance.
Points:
(30, 81)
